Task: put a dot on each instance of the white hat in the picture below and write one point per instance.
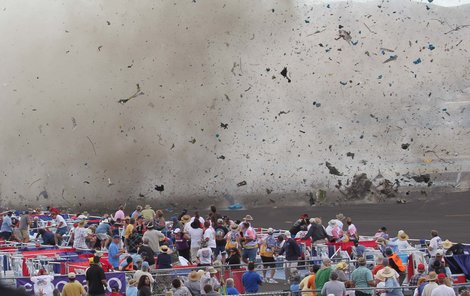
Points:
(287, 233)
(177, 230)
(71, 275)
(270, 230)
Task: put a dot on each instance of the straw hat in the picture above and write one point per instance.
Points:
(148, 207)
(332, 223)
(270, 230)
(379, 276)
(340, 217)
(248, 218)
(82, 223)
(212, 270)
(447, 244)
(185, 218)
(432, 276)
(164, 249)
(387, 272)
(132, 282)
(194, 276)
(342, 265)
(402, 235)
(234, 226)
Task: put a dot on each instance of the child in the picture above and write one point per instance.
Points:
(295, 285)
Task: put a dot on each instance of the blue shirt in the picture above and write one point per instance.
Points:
(103, 228)
(251, 281)
(48, 238)
(113, 256)
(232, 291)
(131, 291)
(295, 289)
(393, 283)
(6, 224)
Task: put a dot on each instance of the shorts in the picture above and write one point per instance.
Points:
(102, 236)
(24, 234)
(250, 254)
(268, 262)
(218, 250)
(61, 231)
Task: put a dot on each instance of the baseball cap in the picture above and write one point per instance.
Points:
(220, 221)
(71, 275)
(116, 236)
(441, 276)
(177, 230)
(270, 230)
(145, 264)
(421, 266)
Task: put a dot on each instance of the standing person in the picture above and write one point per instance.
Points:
(292, 251)
(382, 233)
(24, 226)
(73, 287)
(114, 252)
(220, 240)
(391, 283)
(316, 231)
(103, 233)
(195, 233)
(266, 251)
(249, 243)
(434, 245)
(420, 274)
(119, 213)
(209, 278)
(80, 235)
(159, 223)
(352, 230)
(396, 263)
(96, 279)
(6, 230)
(154, 236)
(234, 258)
(148, 213)
(133, 242)
(144, 271)
(363, 279)
(333, 286)
(323, 275)
(180, 289)
(431, 285)
(146, 252)
(182, 244)
(61, 225)
(307, 285)
(232, 238)
(340, 271)
(42, 284)
(209, 236)
(251, 279)
(209, 291)
(442, 289)
(137, 213)
(144, 286)
(231, 290)
(193, 283)
(128, 228)
(214, 216)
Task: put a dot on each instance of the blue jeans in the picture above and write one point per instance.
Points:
(250, 254)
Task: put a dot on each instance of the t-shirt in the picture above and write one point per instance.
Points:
(48, 238)
(251, 234)
(103, 228)
(232, 239)
(251, 281)
(429, 288)
(352, 230)
(220, 232)
(308, 284)
(361, 276)
(113, 256)
(196, 236)
(128, 231)
(232, 291)
(6, 224)
(435, 243)
(94, 276)
(148, 214)
(154, 237)
(147, 252)
(336, 288)
(73, 289)
(43, 283)
(163, 260)
(267, 246)
(210, 234)
(119, 215)
(60, 221)
(79, 238)
(205, 255)
(443, 290)
(183, 291)
(24, 222)
(323, 276)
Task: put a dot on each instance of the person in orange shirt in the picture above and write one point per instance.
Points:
(308, 283)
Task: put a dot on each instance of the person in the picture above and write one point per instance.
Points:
(195, 233)
(164, 258)
(209, 277)
(292, 251)
(11, 292)
(204, 254)
(209, 236)
(96, 279)
(396, 263)
(380, 284)
(362, 278)
(391, 283)
(103, 233)
(180, 290)
(378, 264)
(442, 289)
(251, 280)
(302, 221)
(295, 284)
(134, 241)
(6, 230)
(119, 213)
(419, 286)
(42, 283)
(333, 286)
(341, 269)
(431, 285)
(114, 252)
(421, 273)
(232, 237)
(128, 228)
(115, 291)
(267, 248)
(323, 275)
(154, 236)
(350, 285)
(73, 287)
(128, 264)
(234, 259)
(47, 236)
(214, 216)
(352, 230)
(402, 240)
(316, 231)
(434, 245)
(307, 285)
(148, 214)
(24, 226)
(80, 235)
(193, 283)
(144, 286)
(220, 240)
(249, 243)
(182, 244)
(209, 291)
(382, 233)
(131, 289)
(359, 249)
(61, 225)
(231, 290)
(146, 252)
(137, 213)
(143, 271)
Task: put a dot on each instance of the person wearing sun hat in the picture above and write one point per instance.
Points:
(148, 213)
(402, 240)
(432, 278)
(209, 278)
(341, 268)
(164, 258)
(193, 283)
(391, 283)
(131, 289)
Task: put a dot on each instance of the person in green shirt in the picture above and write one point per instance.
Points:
(323, 275)
(363, 278)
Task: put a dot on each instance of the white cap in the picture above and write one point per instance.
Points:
(270, 230)
(287, 233)
(71, 275)
(177, 230)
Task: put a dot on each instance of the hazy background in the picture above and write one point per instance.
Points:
(65, 139)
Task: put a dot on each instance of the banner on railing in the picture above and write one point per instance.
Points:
(115, 279)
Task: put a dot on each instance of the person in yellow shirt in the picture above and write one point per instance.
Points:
(73, 288)
(266, 251)
(308, 283)
(148, 213)
(129, 222)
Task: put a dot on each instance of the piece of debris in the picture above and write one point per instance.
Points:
(431, 47)
(44, 194)
(160, 188)
(343, 82)
(242, 183)
(74, 123)
(221, 157)
(405, 146)
(391, 59)
(192, 141)
(418, 61)
(109, 182)
(401, 201)
(268, 191)
(235, 206)
(86, 182)
(426, 178)
(316, 104)
(343, 34)
(224, 125)
(135, 95)
(283, 112)
(109, 23)
(332, 169)
(100, 47)
(350, 154)
(284, 73)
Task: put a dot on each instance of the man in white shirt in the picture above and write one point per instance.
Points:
(442, 289)
(434, 245)
(209, 236)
